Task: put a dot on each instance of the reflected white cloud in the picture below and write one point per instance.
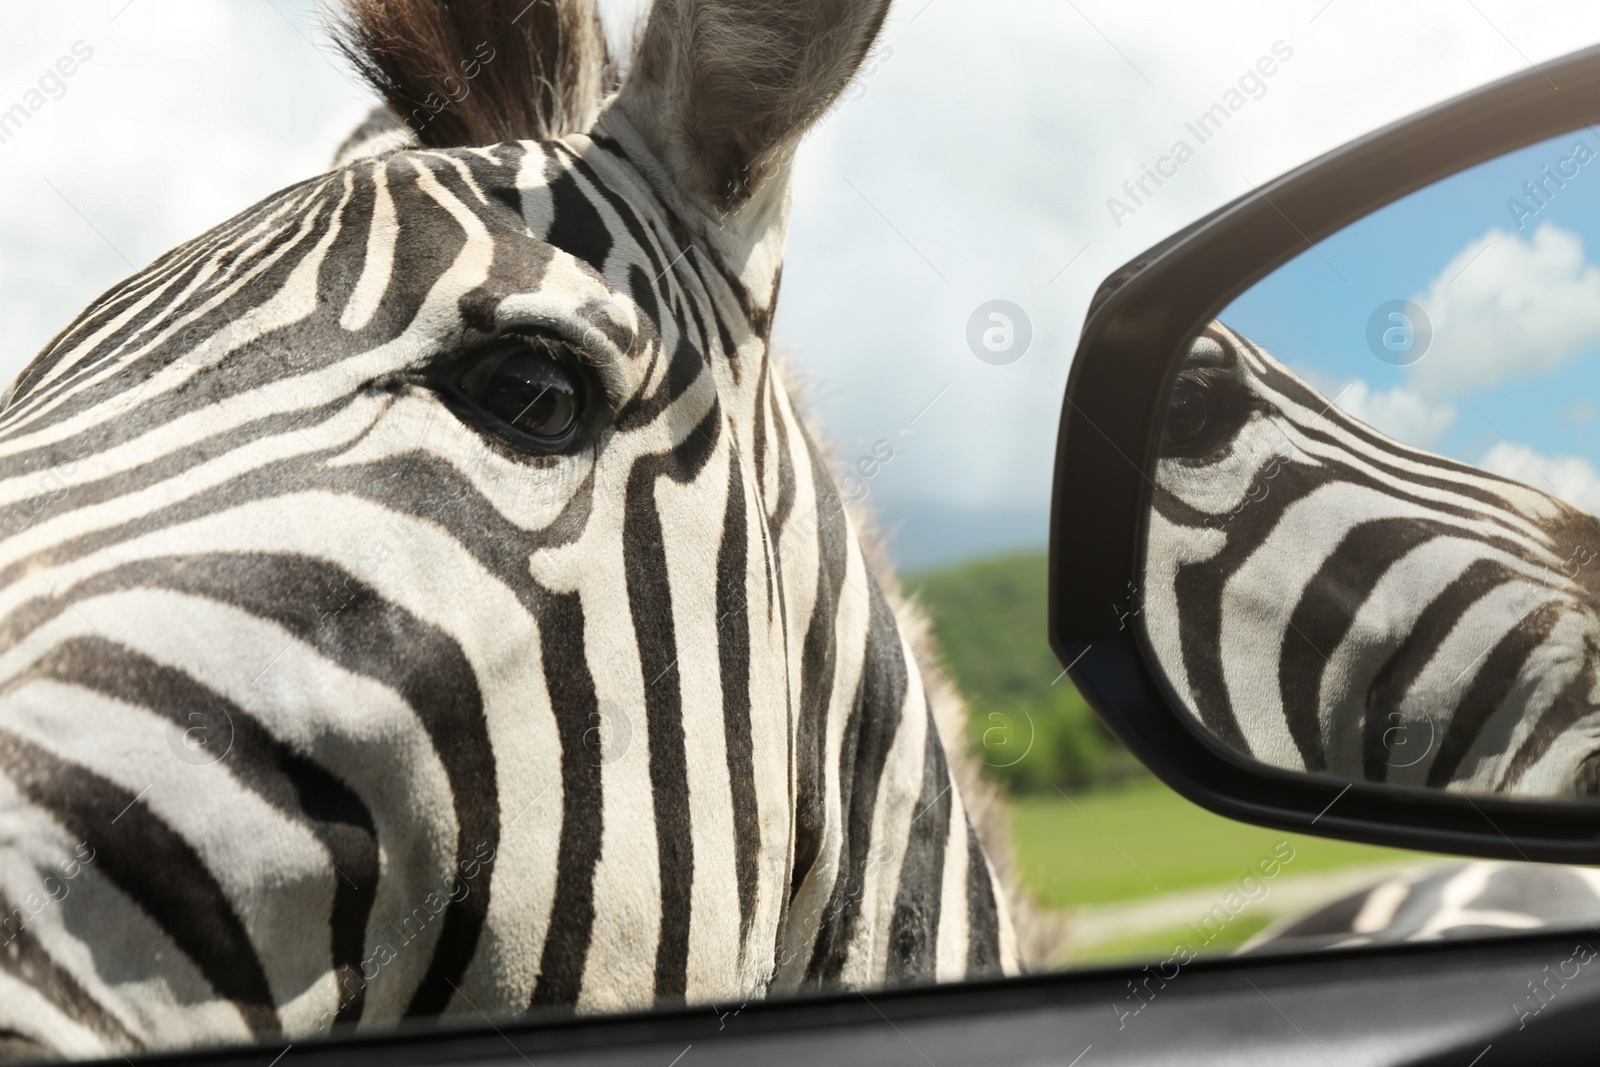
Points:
(1572, 478)
(1507, 308)
(1402, 413)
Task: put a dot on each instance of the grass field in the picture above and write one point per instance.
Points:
(1150, 864)
(1142, 839)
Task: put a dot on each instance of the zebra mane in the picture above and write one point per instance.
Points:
(478, 73)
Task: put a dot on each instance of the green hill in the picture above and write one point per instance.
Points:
(1029, 725)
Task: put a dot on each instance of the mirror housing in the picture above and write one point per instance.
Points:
(1133, 343)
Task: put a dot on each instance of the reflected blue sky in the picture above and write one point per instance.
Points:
(1516, 353)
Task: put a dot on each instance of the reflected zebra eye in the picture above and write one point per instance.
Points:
(1205, 410)
(530, 385)
(1188, 412)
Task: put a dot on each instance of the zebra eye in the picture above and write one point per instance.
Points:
(1205, 409)
(1188, 412)
(530, 385)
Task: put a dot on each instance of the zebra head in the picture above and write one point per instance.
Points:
(419, 593)
(1324, 598)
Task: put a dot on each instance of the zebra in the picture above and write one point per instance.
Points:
(1323, 598)
(419, 594)
(1443, 901)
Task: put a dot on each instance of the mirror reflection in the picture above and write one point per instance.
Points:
(1373, 552)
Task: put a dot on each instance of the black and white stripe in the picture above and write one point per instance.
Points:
(1324, 598)
(340, 708)
(1440, 901)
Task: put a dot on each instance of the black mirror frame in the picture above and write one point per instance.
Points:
(1133, 340)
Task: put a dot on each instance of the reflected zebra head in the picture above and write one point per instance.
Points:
(1324, 598)
(450, 503)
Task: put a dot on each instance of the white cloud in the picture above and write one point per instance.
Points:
(1572, 478)
(1402, 413)
(988, 145)
(1506, 308)
(184, 113)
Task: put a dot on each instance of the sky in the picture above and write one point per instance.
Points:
(976, 159)
(1502, 366)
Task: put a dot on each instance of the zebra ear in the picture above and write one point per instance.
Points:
(378, 133)
(722, 89)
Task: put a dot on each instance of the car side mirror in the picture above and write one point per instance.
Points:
(1324, 547)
